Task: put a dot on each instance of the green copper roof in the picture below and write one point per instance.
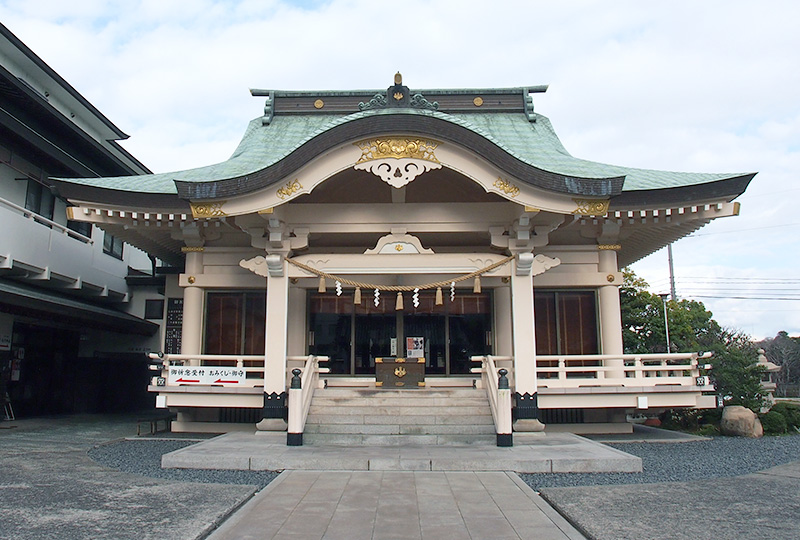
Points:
(533, 143)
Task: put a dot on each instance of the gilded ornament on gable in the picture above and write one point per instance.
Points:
(397, 161)
(397, 148)
(478, 101)
(318, 104)
(208, 210)
(506, 187)
(609, 247)
(290, 189)
(591, 207)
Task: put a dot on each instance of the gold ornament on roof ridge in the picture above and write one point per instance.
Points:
(506, 187)
(397, 148)
(207, 210)
(591, 207)
(290, 189)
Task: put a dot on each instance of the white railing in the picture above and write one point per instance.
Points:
(497, 389)
(574, 371)
(301, 391)
(251, 365)
(33, 216)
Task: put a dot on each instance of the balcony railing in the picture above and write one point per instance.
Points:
(246, 371)
(575, 371)
(33, 216)
(39, 248)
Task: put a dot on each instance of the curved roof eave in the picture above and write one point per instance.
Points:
(528, 151)
(727, 189)
(424, 123)
(123, 198)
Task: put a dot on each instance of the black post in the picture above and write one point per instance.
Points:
(504, 439)
(294, 439)
(502, 380)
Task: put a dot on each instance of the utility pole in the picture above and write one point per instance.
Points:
(671, 273)
(666, 320)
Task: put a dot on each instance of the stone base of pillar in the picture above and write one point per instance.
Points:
(528, 424)
(272, 424)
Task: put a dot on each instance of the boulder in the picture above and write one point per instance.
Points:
(740, 422)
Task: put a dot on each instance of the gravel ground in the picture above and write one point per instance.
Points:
(143, 457)
(719, 457)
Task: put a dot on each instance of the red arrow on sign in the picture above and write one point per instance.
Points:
(187, 380)
(229, 382)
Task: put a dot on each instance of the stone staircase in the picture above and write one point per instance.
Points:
(378, 417)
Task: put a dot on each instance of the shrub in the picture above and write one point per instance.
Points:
(708, 430)
(774, 423)
(790, 411)
(700, 421)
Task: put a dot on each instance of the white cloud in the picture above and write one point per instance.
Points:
(685, 85)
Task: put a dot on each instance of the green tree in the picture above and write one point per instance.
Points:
(784, 351)
(691, 328)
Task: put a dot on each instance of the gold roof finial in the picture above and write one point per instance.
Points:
(398, 79)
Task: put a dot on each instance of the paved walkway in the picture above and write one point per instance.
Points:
(50, 489)
(760, 506)
(368, 505)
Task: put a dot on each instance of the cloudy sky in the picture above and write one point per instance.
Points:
(706, 86)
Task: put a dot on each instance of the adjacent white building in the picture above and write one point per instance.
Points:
(71, 327)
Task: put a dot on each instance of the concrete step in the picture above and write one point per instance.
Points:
(338, 439)
(389, 417)
(409, 401)
(398, 410)
(407, 393)
(400, 429)
(444, 419)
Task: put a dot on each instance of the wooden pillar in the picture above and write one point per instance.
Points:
(524, 344)
(610, 313)
(192, 322)
(503, 322)
(275, 347)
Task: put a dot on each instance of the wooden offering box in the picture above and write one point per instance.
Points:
(399, 372)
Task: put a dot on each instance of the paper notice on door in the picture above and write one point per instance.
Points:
(415, 347)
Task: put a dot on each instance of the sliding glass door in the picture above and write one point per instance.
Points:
(354, 335)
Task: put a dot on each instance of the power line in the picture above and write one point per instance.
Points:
(746, 297)
(695, 235)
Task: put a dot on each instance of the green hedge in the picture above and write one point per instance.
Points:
(790, 411)
(774, 423)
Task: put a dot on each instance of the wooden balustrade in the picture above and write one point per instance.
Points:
(495, 381)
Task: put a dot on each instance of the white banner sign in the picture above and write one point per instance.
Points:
(205, 375)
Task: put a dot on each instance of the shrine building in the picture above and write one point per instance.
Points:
(446, 234)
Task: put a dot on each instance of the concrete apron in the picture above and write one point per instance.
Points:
(531, 453)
